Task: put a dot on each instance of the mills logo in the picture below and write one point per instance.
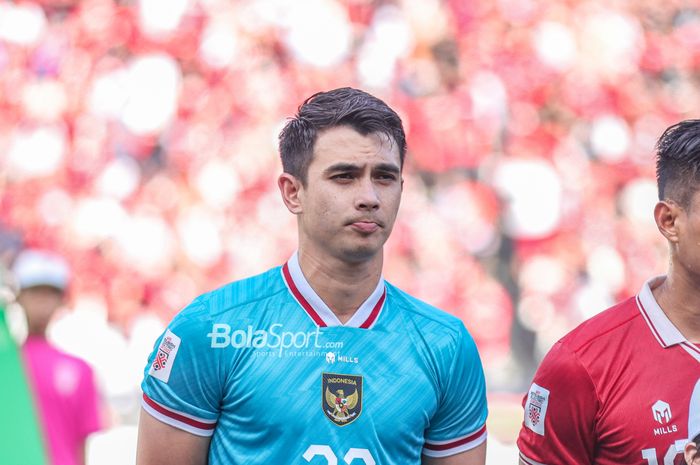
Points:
(341, 397)
(662, 411)
(662, 414)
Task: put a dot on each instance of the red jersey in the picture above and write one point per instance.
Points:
(615, 390)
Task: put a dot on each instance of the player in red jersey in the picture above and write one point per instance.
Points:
(616, 389)
(691, 452)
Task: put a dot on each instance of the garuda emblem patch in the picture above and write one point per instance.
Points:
(342, 397)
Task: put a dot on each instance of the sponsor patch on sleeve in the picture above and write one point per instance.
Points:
(536, 408)
(165, 357)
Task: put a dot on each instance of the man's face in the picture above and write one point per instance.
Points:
(40, 303)
(352, 194)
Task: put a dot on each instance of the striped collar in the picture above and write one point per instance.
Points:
(661, 327)
(365, 316)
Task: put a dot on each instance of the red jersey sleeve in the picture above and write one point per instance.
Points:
(561, 408)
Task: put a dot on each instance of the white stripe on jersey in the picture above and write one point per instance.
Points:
(170, 417)
(529, 461)
(461, 444)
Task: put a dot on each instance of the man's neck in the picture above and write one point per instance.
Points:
(679, 298)
(341, 285)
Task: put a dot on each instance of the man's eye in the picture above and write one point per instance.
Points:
(386, 177)
(342, 176)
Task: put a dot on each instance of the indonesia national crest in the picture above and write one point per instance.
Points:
(341, 397)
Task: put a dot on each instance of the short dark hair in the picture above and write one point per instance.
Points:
(678, 162)
(346, 106)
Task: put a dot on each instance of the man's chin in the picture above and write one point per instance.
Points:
(361, 253)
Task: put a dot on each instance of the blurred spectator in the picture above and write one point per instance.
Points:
(64, 388)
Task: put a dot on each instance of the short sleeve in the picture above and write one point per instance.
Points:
(560, 412)
(183, 380)
(460, 421)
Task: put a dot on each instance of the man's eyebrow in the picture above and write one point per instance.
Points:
(384, 167)
(388, 168)
(342, 167)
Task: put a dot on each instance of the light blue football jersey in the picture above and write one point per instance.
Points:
(264, 367)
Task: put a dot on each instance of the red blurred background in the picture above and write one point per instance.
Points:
(138, 139)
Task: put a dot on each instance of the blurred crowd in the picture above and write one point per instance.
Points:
(139, 140)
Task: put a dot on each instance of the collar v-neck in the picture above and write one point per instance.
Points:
(364, 317)
(661, 327)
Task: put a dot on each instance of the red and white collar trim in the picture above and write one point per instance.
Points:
(661, 327)
(365, 316)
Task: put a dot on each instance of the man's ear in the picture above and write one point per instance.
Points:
(292, 192)
(666, 213)
(691, 449)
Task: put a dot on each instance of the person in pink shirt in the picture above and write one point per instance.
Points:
(63, 386)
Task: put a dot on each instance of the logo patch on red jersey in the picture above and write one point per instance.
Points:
(165, 356)
(662, 411)
(342, 397)
(536, 408)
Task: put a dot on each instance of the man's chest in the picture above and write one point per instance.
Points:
(644, 409)
(344, 385)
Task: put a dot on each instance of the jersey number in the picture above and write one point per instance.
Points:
(326, 452)
(650, 454)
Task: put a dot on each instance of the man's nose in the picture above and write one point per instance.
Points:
(367, 198)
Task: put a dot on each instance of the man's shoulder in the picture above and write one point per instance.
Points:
(424, 314)
(236, 294)
(608, 324)
(617, 337)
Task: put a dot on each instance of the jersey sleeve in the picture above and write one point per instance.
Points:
(560, 412)
(460, 421)
(183, 381)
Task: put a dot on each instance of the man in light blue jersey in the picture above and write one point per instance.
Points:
(320, 361)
